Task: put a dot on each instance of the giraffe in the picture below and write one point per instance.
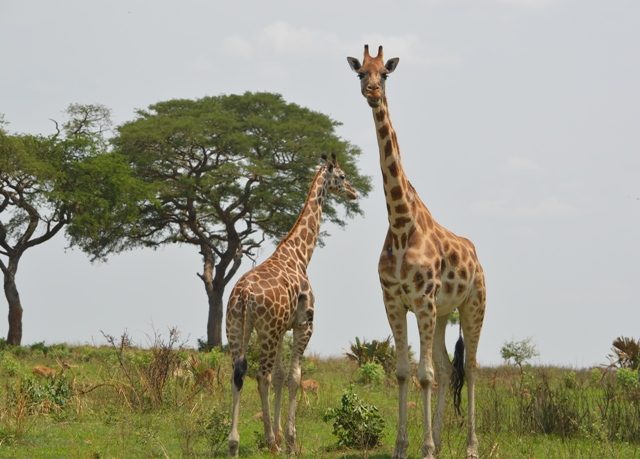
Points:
(274, 297)
(428, 270)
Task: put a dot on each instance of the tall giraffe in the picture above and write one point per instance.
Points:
(426, 269)
(274, 297)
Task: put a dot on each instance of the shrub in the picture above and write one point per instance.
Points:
(518, 351)
(627, 379)
(217, 427)
(381, 352)
(355, 423)
(371, 373)
(9, 364)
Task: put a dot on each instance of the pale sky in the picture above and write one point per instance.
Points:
(518, 122)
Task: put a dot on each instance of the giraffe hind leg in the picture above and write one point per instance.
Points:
(302, 331)
(471, 318)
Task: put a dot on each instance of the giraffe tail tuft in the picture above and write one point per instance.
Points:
(457, 381)
(239, 372)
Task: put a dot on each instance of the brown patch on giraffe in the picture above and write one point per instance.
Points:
(418, 280)
(384, 178)
(429, 288)
(388, 149)
(383, 131)
(405, 287)
(403, 240)
(401, 208)
(395, 192)
(461, 289)
(393, 169)
(453, 259)
(448, 287)
(400, 222)
(451, 275)
(380, 115)
(462, 273)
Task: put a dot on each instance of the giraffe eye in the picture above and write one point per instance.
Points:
(360, 75)
(342, 177)
(384, 76)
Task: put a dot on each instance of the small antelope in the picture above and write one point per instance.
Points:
(309, 385)
(45, 371)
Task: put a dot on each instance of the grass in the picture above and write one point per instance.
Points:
(107, 404)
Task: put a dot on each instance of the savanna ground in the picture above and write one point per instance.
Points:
(120, 401)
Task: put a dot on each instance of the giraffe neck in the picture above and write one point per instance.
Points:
(303, 236)
(400, 196)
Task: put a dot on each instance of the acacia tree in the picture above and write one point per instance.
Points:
(39, 178)
(228, 173)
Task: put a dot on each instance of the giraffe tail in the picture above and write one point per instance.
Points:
(240, 364)
(239, 372)
(457, 380)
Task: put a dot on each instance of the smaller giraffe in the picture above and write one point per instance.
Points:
(272, 298)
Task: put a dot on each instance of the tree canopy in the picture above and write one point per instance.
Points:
(40, 178)
(226, 173)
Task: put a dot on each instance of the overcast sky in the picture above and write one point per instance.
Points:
(518, 122)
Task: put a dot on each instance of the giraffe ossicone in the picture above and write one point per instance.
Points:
(426, 269)
(275, 297)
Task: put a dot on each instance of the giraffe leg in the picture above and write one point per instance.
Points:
(234, 436)
(302, 331)
(425, 315)
(443, 376)
(267, 359)
(471, 316)
(278, 382)
(397, 316)
(238, 335)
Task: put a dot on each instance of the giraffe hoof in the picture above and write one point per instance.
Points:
(233, 448)
(400, 451)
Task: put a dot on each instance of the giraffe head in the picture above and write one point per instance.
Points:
(336, 180)
(373, 73)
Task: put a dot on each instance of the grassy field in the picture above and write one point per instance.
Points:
(123, 402)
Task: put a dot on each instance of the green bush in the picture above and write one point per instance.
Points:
(9, 365)
(382, 352)
(56, 390)
(627, 379)
(355, 423)
(371, 373)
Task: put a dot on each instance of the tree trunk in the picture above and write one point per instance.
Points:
(14, 336)
(214, 323)
(215, 284)
(214, 295)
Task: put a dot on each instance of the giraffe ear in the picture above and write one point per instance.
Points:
(354, 63)
(392, 64)
(324, 157)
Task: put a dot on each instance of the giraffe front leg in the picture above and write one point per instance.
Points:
(425, 314)
(397, 316)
